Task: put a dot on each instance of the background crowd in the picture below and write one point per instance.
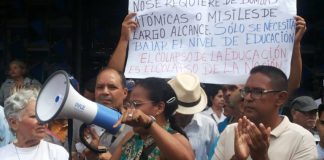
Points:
(178, 118)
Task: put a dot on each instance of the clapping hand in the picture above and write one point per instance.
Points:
(251, 140)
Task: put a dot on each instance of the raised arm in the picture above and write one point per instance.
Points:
(296, 60)
(118, 58)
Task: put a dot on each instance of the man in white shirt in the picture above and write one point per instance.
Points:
(200, 129)
(263, 133)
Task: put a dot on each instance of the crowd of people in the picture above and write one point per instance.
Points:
(170, 119)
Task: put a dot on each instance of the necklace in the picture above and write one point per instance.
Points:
(18, 153)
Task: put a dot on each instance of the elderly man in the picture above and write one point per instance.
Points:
(303, 111)
(263, 133)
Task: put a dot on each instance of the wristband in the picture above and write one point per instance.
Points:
(148, 125)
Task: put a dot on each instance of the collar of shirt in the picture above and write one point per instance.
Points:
(196, 119)
(276, 132)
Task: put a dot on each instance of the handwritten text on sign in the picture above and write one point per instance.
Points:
(220, 40)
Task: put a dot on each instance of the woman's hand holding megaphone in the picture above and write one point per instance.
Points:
(133, 117)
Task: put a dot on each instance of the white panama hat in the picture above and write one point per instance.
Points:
(191, 97)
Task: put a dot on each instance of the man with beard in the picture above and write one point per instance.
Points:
(232, 105)
(262, 133)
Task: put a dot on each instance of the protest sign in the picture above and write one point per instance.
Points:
(219, 40)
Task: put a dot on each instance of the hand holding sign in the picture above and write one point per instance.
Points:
(128, 26)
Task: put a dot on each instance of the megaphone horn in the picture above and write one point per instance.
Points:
(58, 99)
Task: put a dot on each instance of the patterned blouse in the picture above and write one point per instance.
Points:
(139, 149)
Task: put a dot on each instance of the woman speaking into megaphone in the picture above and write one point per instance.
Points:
(155, 134)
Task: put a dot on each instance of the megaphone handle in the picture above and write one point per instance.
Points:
(84, 141)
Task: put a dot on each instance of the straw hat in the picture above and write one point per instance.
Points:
(191, 97)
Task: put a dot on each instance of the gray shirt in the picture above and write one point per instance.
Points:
(8, 85)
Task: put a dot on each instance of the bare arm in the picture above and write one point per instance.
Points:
(296, 60)
(118, 58)
(176, 145)
(117, 154)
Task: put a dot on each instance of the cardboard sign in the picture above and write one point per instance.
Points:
(219, 40)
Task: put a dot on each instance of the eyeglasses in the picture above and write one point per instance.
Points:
(135, 104)
(256, 93)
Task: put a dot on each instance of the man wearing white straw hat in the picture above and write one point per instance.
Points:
(192, 99)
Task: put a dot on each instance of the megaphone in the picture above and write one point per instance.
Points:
(58, 99)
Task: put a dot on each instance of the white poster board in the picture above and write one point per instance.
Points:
(219, 40)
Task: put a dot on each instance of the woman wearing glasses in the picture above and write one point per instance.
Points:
(155, 134)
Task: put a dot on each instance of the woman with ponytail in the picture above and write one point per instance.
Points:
(155, 134)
